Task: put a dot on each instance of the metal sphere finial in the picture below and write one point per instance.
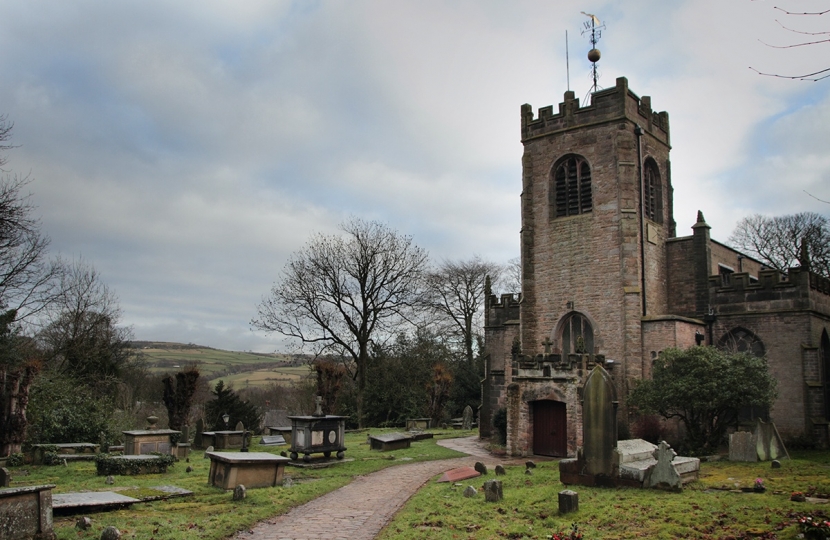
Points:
(593, 55)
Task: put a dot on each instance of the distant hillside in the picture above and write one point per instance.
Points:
(244, 368)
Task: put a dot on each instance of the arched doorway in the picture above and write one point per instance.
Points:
(550, 428)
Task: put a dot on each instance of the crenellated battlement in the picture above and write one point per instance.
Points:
(607, 105)
(498, 311)
(797, 289)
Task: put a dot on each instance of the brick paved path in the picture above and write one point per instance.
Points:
(359, 510)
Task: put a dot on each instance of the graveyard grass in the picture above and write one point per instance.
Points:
(212, 513)
(707, 509)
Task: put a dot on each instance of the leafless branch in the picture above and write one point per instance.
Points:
(805, 77)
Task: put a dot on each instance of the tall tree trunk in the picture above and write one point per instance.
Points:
(14, 398)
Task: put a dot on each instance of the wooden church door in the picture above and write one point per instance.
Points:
(550, 429)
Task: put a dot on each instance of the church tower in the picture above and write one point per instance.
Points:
(596, 212)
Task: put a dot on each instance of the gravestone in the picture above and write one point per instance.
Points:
(239, 492)
(742, 446)
(110, 533)
(470, 491)
(83, 523)
(664, 475)
(500, 470)
(239, 426)
(185, 437)
(530, 465)
(768, 442)
(568, 501)
(208, 449)
(467, 418)
(197, 439)
(480, 467)
(5, 477)
(599, 423)
(493, 491)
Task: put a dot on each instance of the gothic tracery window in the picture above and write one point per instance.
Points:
(652, 192)
(571, 187)
(577, 335)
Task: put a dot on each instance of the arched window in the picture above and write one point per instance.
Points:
(577, 335)
(571, 186)
(742, 340)
(652, 192)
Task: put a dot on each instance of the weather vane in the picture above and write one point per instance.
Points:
(595, 28)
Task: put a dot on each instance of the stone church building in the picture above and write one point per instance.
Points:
(607, 279)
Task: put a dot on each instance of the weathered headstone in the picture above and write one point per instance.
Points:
(500, 470)
(111, 533)
(568, 501)
(5, 477)
(83, 523)
(768, 442)
(467, 418)
(493, 491)
(530, 465)
(208, 449)
(529, 472)
(239, 492)
(776, 464)
(185, 436)
(240, 426)
(742, 446)
(599, 423)
(480, 468)
(189, 469)
(470, 491)
(287, 482)
(110, 480)
(664, 475)
(197, 439)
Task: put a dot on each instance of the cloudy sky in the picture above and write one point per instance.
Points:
(186, 148)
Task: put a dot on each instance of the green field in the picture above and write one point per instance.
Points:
(241, 369)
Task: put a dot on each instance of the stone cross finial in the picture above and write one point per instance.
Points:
(547, 343)
(319, 401)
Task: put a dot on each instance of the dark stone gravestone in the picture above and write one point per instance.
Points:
(5, 477)
(197, 439)
(599, 423)
(239, 492)
(111, 533)
(500, 470)
(568, 501)
(742, 446)
(467, 418)
(493, 491)
(470, 491)
(480, 467)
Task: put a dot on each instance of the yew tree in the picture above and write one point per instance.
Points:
(704, 388)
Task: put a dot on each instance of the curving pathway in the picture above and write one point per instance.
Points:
(359, 510)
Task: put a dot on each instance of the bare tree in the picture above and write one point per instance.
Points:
(339, 293)
(805, 39)
(82, 336)
(456, 294)
(512, 277)
(776, 241)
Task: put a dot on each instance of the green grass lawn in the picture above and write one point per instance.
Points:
(211, 513)
(708, 508)
(704, 509)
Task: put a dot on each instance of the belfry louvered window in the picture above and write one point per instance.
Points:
(653, 192)
(572, 187)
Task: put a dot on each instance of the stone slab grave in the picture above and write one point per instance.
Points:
(26, 512)
(419, 424)
(76, 503)
(284, 431)
(147, 441)
(97, 501)
(390, 441)
(68, 451)
(461, 473)
(251, 469)
(272, 440)
(604, 461)
(420, 435)
(151, 464)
